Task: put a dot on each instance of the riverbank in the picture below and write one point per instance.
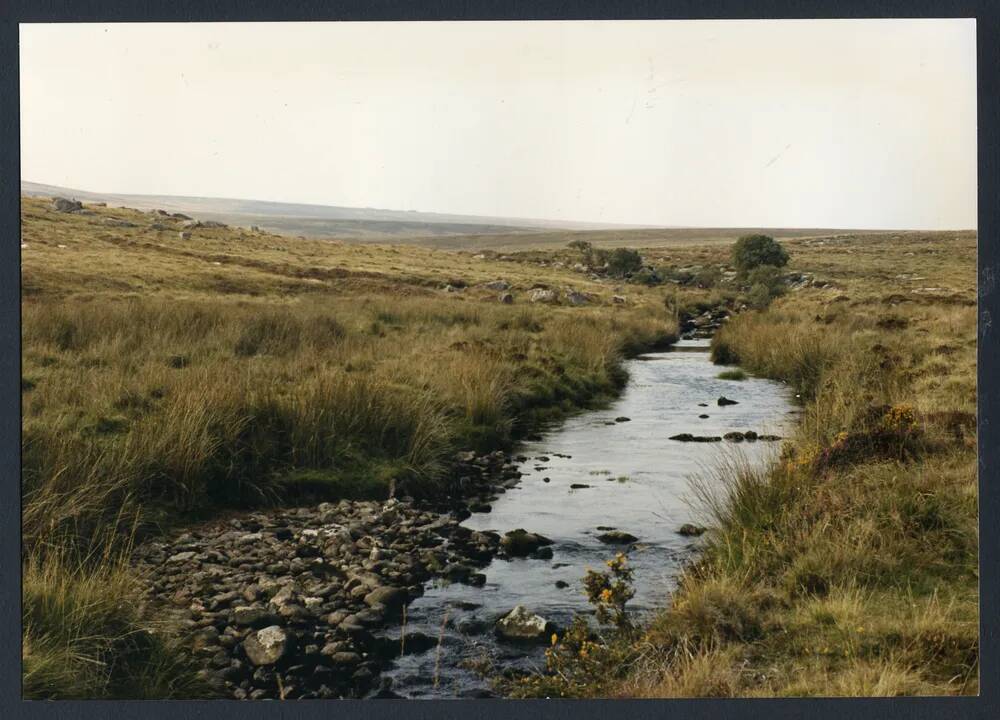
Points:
(849, 567)
(171, 374)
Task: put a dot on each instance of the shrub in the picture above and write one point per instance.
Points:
(752, 251)
(646, 276)
(623, 262)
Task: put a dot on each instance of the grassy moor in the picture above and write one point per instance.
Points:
(177, 373)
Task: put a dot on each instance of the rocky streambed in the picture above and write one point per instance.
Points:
(287, 603)
(399, 599)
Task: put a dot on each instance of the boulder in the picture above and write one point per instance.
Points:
(521, 543)
(522, 625)
(268, 646)
(576, 298)
(689, 530)
(734, 436)
(391, 597)
(688, 437)
(543, 295)
(497, 285)
(248, 616)
(619, 299)
(723, 401)
(617, 537)
(184, 235)
(506, 298)
(64, 205)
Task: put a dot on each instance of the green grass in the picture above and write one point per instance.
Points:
(732, 375)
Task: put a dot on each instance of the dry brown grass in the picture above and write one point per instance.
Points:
(164, 377)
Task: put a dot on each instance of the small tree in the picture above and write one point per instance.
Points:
(752, 251)
(623, 261)
(580, 245)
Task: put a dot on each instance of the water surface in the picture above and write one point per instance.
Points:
(639, 482)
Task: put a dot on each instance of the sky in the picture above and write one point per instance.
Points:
(797, 123)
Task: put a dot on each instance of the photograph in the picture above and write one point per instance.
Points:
(511, 359)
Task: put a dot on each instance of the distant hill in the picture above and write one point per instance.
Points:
(317, 220)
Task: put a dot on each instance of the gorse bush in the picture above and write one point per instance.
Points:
(623, 262)
(752, 251)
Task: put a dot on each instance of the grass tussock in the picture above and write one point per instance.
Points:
(85, 635)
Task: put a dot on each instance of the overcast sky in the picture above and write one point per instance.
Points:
(867, 123)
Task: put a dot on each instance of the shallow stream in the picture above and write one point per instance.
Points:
(638, 482)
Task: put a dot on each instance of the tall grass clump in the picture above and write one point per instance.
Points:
(85, 634)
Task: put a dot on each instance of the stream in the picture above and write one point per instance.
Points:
(638, 482)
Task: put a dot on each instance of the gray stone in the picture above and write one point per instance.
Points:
(521, 543)
(61, 204)
(390, 597)
(522, 625)
(689, 530)
(268, 646)
(617, 537)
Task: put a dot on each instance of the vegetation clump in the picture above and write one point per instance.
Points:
(753, 251)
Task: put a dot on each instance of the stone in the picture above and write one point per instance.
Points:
(619, 299)
(543, 295)
(268, 646)
(622, 419)
(734, 436)
(248, 616)
(576, 298)
(183, 235)
(521, 543)
(506, 298)
(498, 285)
(723, 401)
(64, 205)
(181, 556)
(522, 625)
(345, 659)
(542, 553)
(391, 597)
(617, 537)
(689, 530)
(578, 486)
